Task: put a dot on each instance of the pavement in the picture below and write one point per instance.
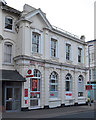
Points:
(49, 113)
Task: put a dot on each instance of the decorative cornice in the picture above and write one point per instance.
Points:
(23, 57)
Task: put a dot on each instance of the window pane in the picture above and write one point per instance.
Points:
(35, 42)
(67, 85)
(52, 44)
(79, 54)
(94, 74)
(52, 52)
(53, 48)
(80, 86)
(68, 51)
(80, 94)
(53, 82)
(34, 48)
(8, 23)
(52, 88)
(7, 53)
(8, 20)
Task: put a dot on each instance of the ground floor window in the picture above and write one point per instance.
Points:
(53, 84)
(80, 86)
(68, 82)
(35, 89)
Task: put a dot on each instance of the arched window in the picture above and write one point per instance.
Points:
(53, 84)
(36, 73)
(80, 86)
(8, 23)
(35, 81)
(68, 82)
(7, 52)
(35, 89)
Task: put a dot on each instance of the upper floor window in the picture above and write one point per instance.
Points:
(68, 51)
(36, 42)
(79, 54)
(8, 23)
(53, 47)
(7, 52)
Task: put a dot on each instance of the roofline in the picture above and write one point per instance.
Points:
(91, 41)
(42, 15)
(67, 36)
(10, 9)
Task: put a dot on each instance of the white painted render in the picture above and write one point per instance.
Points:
(23, 55)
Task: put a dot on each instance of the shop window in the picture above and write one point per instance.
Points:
(35, 84)
(35, 42)
(68, 51)
(80, 86)
(8, 23)
(7, 52)
(68, 82)
(53, 84)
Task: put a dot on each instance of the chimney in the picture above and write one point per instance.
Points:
(82, 37)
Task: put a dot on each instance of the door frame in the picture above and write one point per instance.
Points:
(38, 106)
(12, 98)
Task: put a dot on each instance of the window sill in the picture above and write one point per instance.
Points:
(8, 64)
(36, 54)
(54, 99)
(69, 99)
(54, 58)
(80, 63)
(69, 61)
(81, 97)
(7, 30)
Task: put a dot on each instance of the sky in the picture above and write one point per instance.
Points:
(74, 16)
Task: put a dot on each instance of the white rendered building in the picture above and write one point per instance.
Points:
(50, 59)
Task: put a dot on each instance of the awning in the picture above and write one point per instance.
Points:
(11, 75)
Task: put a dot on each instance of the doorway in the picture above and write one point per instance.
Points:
(35, 93)
(12, 98)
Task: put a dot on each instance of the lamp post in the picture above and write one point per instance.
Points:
(89, 72)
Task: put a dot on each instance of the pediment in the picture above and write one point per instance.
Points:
(39, 18)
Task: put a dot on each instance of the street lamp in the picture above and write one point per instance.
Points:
(89, 72)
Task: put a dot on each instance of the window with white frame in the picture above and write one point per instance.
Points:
(53, 47)
(68, 83)
(7, 52)
(53, 84)
(35, 42)
(8, 23)
(94, 74)
(68, 51)
(80, 86)
(36, 73)
(35, 85)
(92, 57)
(79, 55)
